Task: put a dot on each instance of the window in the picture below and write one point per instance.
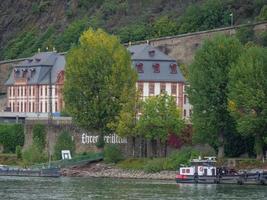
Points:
(24, 91)
(162, 87)
(18, 91)
(41, 107)
(33, 107)
(185, 99)
(139, 68)
(151, 53)
(184, 112)
(33, 91)
(45, 91)
(55, 106)
(25, 107)
(173, 68)
(183, 171)
(21, 107)
(190, 112)
(30, 91)
(187, 171)
(174, 89)
(45, 106)
(55, 90)
(30, 106)
(41, 89)
(156, 68)
(14, 91)
(141, 88)
(10, 91)
(151, 88)
(24, 73)
(21, 91)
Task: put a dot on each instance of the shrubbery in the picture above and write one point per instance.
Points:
(33, 155)
(154, 165)
(64, 142)
(11, 135)
(39, 135)
(112, 154)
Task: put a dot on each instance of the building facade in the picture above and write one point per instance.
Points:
(159, 73)
(35, 84)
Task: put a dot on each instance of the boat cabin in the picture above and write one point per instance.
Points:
(200, 167)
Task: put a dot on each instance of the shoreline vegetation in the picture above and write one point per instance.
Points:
(103, 170)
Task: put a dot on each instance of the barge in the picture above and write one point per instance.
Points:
(46, 172)
(204, 171)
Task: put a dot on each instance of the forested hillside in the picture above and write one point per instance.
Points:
(26, 25)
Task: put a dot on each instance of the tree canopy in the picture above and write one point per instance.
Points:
(160, 117)
(248, 95)
(99, 80)
(208, 79)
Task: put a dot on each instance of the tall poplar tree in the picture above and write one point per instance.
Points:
(248, 95)
(208, 80)
(99, 80)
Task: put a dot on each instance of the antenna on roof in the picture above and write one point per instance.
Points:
(130, 43)
(39, 50)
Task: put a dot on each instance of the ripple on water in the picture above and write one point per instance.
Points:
(26, 188)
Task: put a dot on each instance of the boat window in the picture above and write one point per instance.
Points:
(187, 170)
(183, 170)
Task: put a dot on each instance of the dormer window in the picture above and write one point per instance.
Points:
(152, 53)
(139, 68)
(156, 68)
(16, 73)
(173, 68)
(30, 60)
(32, 70)
(24, 73)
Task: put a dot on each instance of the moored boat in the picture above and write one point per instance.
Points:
(205, 171)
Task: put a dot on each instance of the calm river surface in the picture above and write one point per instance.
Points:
(100, 188)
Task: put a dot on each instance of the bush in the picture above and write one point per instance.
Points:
(33, 155)
(154, 165)
(180, 157)
(39, 135)
(133, 164)
(112, 154)
(19, 152)
(11, 135)
(64, 142)
(245, 34)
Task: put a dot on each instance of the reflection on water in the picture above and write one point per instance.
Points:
(93, 188)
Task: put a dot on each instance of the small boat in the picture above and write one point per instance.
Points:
(46, 172)
(205, 171)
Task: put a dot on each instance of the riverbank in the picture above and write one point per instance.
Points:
(109, 171)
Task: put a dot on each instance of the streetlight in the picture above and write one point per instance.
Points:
(232, 18)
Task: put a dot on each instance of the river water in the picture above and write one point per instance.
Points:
(116, 189)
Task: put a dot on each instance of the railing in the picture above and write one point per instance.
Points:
(78, 160)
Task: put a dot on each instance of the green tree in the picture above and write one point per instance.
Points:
(263, 14)
(64, 142)
(248, 94)
(164, 26)
(99, 80)
(208, 80)
(160, 117)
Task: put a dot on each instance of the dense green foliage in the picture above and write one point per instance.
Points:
(130, 20)
(208, 92)
(104, 80)
(39, 136)
(64, 142)
(33, 155)
(112, 153)
(160, 117)
(248, 94)
(11, 136)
